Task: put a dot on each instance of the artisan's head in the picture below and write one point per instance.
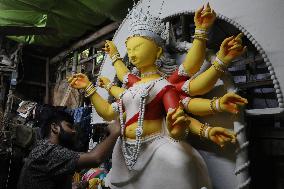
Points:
(142, 51)
(59, 126)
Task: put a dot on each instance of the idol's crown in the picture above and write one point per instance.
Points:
(146, 25)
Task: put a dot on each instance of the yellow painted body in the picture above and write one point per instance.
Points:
(143, 54)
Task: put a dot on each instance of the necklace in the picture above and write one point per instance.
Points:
(145, 74)
(131, 152)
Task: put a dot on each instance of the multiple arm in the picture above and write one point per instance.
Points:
(218, 135)
(230, 48)
(120, 68)
(203, 19)
(227, 103)
(103, 108)
(113, 90)
(195, 106)
(178, 123)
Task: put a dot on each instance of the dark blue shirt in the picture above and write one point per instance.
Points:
(48, 166)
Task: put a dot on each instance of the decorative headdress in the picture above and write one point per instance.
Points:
(146, 25)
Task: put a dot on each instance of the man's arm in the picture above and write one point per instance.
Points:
(101, 151)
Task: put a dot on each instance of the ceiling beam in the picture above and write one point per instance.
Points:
(91, 38)
(20, 31)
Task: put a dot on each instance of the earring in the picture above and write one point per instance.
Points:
(159, 63)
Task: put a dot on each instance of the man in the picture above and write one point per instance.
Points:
(51, 164)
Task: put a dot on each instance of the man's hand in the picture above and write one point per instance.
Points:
(114, 128)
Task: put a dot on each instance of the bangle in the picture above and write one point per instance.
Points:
(201, 130)
(186, 86)
(204, 130)
(115, 57)
(89, 86)
(200, 34)
(217, 104)
(206, 133)
(90, 90)
(218, 67)
(212, 106)
(108, 86)
(220, 62)
(201, 31)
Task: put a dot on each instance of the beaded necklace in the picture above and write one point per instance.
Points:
(131, 153)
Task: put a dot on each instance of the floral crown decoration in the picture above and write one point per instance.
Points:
(146, 25)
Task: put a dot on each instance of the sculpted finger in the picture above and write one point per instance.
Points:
(221, 141)
(198, 12)
(208, 6)
(233, 108)
(237, 47)
(69, 79)
(170, 113)
(73, 81)
(239, 36)
(229, 134)
(244, 50)
(225, 138)
(197, 15)
(214, 139)
(81, 75)
(207, 14)
(178, 113)
(213, 12)
(179, 120)
(226, 41)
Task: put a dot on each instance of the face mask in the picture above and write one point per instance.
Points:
(66, 139)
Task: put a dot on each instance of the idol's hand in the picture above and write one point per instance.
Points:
(177, 121)
(221, 136)
(103, 81)
(231, 48)
(79, 81)
(204, 17)
(94, 182)
(230, 101)
(110, 48)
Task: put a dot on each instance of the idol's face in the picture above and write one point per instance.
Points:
(142, 52)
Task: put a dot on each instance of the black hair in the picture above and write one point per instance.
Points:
(54, 117)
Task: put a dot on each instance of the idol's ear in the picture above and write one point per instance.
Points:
(160, 52)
